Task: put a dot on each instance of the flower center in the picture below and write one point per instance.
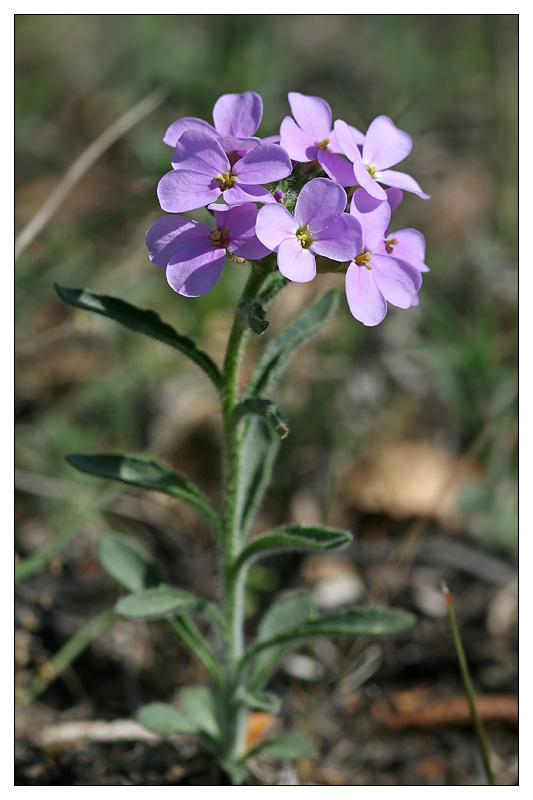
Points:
(371, 170)
(304, 235)
(219, 238)
(363, 259)
(323, 145)
(226, 180)
(389, 244)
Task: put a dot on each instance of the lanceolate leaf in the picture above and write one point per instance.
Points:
(165, 720)
(140, 320)
(159, 603)
(285, 747)
(283, 347)
(349, 622)
(259, 451)
(128, 563)
(294, 537)
(260, 701)
(198, 704)
(292, 611)
(147, 474)
(262, 407)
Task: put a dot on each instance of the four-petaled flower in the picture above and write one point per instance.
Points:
(203, 173)
(375, 276)
(384, 146)
(319, 226)
(311, 137)
(194, 254)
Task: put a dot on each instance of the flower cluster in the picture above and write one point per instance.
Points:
(314, 190)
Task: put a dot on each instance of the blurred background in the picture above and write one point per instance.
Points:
(405, 433)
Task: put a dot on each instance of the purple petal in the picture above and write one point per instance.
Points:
(400, 180)
(172, 234)
(337, 167)
(410, 247)
(199, 152)
(241, 193)
(312, 114)
(385, 144)
(236, 147)
(263, 164)
(347, 140)
(365, 300)
(374, 217)
(182, 190)
(319, 204)
(274, 224)
(397, 280)
(296, 262)
(242, 239)
(342, 241)
(298, 144)
(358, 136)
(238, 114)
(394, 198)
(368, 183)
(193, 277)
(179, 127)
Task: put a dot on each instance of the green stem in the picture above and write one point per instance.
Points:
(233, 718)
(469, 690)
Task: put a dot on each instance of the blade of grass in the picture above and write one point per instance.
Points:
(469, 689)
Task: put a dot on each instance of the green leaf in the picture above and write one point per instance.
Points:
(140, 320)
(285, 747)
(187, 630)
(261, 407)
(296, 610)
(255, 315)
(198, 705)
(159, 603)
(294, 537)
(259, 450)
(165, 720)
(128, 563)
(281, 349)
(356, 621)
(260, 701)
(147, 474)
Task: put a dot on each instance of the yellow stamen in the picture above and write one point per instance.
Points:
(323, 145)
(389, 244)
(226, 180)
(304, 235)
(219, 238)
(363, 259)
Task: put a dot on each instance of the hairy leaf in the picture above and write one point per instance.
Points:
(259, 451)
(261, 407)
(140, 320)
(294, 537)
(159, 603)
(165, 720)
(128, 563)
(285, 747)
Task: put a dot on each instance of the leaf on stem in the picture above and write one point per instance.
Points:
(261, 407)
(198, 705)
(285, 747)
(165, 720)
(297, 610)
(142, 321)
(255, 315)
(356, 621)
(159, 603)
(147, 474)
(259, 451)
(294, 537)
(281, 349)
(128, 563)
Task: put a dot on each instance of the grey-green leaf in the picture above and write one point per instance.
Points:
(128, 563)
(147, 474)
(262, 407)
(260, 701)
(294, 537)
(165, 720)
(255, 315)
(141, 320)
(259, 451)
(295, 610)
(281, 349)
(159, 603)
(285, 747)
(356, 621)
(198, 705)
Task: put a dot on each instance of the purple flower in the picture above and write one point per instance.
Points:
(194, 254)
(234, 115)
(319, 226)
(384, 146)
(375, 276)
(311, 137)
(203, 173)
